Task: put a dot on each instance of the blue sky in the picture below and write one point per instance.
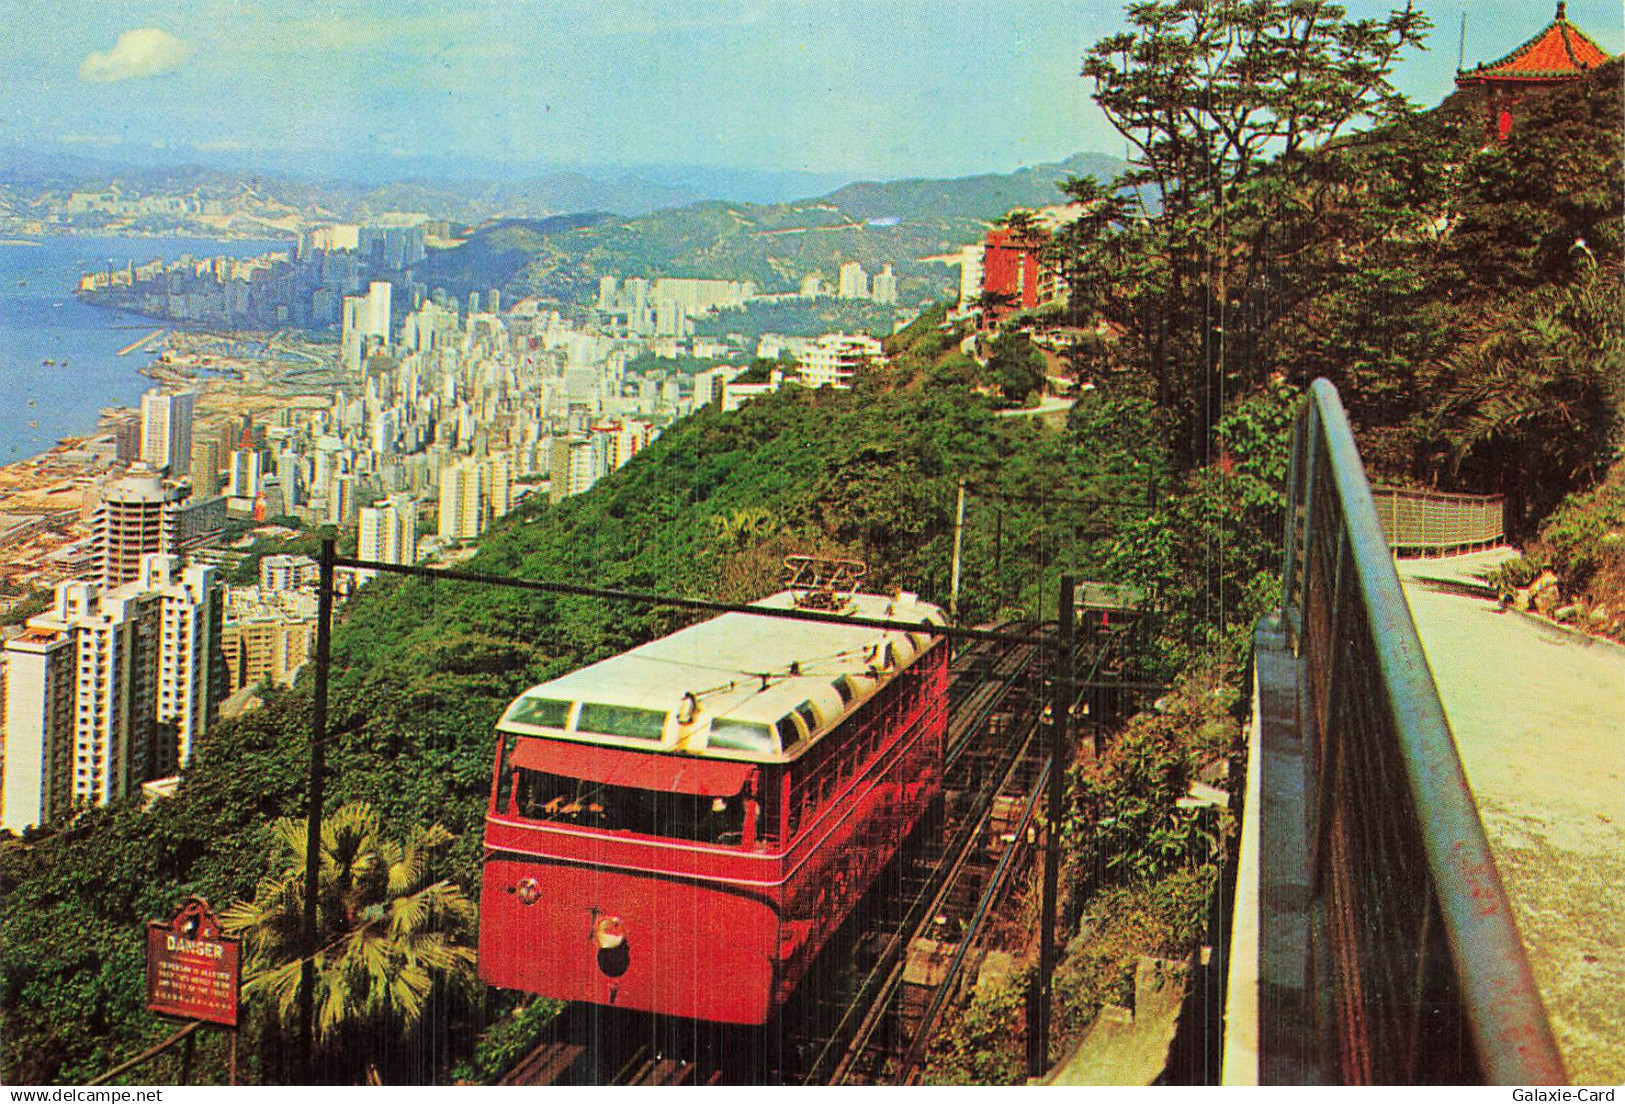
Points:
(872, 88)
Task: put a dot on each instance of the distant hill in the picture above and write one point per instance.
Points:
(465, 201)
(897, 222)
(970, 196)
(503, 250)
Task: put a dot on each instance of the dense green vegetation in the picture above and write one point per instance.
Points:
(423, 669)
(1463, 296)
(1439, 282)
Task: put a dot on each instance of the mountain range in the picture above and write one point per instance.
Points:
(903, 223)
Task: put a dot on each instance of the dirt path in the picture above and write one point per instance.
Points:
(1539, 718)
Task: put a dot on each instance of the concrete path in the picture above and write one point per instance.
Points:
(1124, 1047)
(1053, 411)
(1538, 714)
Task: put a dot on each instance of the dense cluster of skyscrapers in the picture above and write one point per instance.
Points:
(448, 414)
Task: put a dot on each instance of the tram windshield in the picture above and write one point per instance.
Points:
(598, 805)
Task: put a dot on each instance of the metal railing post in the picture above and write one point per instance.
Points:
(313, 824)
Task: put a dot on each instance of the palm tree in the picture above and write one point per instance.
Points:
(387, 935)
(739, 529)
(1534, 396)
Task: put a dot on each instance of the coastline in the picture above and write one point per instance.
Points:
(47, 325)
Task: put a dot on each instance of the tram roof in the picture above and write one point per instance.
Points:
(736, 686)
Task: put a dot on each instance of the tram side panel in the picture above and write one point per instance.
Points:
(836, 855)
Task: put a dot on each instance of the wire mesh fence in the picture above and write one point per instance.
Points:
(1435, 523)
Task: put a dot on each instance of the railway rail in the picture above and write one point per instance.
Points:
(861, 1017)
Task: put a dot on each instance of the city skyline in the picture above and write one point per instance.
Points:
(419, 89)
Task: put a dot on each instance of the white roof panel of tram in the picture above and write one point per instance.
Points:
(722, 662)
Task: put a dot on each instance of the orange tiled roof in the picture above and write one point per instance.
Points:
(1560, 52)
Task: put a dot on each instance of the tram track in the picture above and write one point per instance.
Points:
(981, 858)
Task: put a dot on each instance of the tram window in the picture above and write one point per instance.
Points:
(788, 732)
(587, 804)
(805, 712)
(740, 735)
(541, 711)
(619, 720)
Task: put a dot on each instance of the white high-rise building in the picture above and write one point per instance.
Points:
(39, 728)
(388, 532)
(462, 501)
(205, 470)
(386, 430)
(166, 430)
(341, 503)
(708, 384)
(185, 599)
(109, 689)
(288, 572)
(499, 483)
(970, 275)
(833, 358)
(885, 286)
(245, 474)
(365, 324)
(377, 314)
(812, 286)
(854, 282)
(576, 465)
(138, 514)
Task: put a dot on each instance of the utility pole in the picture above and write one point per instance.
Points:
(959, 535)
(1060, 722)
(313, 825)
(998, 554)
(1060, 719)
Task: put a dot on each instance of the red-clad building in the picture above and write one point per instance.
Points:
(1013, 267)
(1559, 54)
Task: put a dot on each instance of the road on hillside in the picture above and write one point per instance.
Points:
(1538, 714)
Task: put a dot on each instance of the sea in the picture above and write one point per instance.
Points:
(41, 319)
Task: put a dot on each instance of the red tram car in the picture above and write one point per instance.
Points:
(680, 828)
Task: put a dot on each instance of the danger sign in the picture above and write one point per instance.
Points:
(192, 970)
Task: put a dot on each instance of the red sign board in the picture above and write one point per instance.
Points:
(192, 970)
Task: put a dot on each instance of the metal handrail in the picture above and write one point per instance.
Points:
(1416, 946)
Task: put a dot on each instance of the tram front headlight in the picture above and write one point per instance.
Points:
(608, 933)
(528, 890)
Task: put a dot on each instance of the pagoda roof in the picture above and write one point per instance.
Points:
(1559, 52)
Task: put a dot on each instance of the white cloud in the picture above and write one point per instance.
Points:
(142, 52)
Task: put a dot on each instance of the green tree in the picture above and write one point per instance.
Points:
(1206, 92)
(742, 527)
(389, 934)
(1016, 366)
(1536, 395)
